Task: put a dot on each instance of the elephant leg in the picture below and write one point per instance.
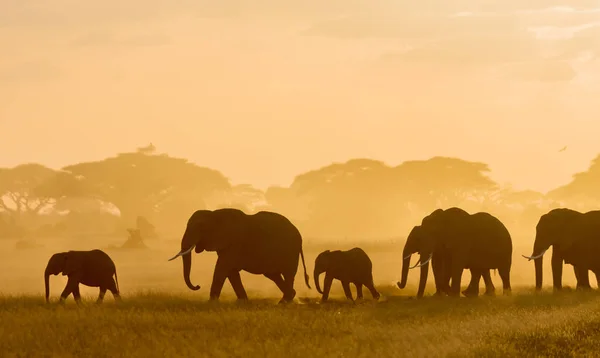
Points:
(438, 275)
(373, 291)
(77, 294)
(346, 286)
(236, 282)
(557, 267)
(473, 289)
(490, 290)
(72, 284)
(583, 278)
(359, 291)
(505, 276)
(278, 279)
(101, 294)
(446, 275)
(326, 287)
(289, 293)
(456, 277)
(219, 277)
(112, 287)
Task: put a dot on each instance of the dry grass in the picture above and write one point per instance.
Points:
(160, 317)
(158, 325)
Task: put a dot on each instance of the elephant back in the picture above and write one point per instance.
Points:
(271, 237)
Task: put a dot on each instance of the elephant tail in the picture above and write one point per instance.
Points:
(304, 265)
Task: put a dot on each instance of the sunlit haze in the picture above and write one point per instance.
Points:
(267, 90)
(299, 178)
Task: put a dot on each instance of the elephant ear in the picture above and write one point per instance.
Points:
(323, 257)
(330, 259)
(73, 264)
(569, 227)
(433, 229)
(198, 230)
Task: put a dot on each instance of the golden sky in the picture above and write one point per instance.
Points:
(265, 90)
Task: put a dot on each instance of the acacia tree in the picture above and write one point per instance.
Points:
(441, 182)
(365, 197)
(355, 199)
(28, 189)
(145, 183)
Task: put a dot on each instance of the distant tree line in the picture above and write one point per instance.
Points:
(361, 198)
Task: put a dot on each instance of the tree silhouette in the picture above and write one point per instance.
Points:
(28, 189)
(365, 197)
(359, 198)
(583, 191)
(142, 183)
(444, 182)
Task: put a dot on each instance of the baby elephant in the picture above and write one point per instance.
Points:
(91, 268)
(352, 266)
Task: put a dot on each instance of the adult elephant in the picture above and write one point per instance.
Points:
(575, 239)
(459, 240)
(440, 269)
(92, 268)
(265, 243)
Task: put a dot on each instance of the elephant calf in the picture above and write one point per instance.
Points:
(352, 266)
(91, 268)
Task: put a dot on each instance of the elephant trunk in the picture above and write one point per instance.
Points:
(316, 278)
(47, 284)
(539, 249)
(187, 267)
(405, 265)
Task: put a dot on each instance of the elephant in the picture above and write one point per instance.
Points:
(92, 268)
(440, 272)
(575, 239)
(265, 243)
(459, 240)
(351, 266)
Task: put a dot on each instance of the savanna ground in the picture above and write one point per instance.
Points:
(160, 317)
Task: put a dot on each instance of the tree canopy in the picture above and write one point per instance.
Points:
(359, 198)
(365, 197)
(143, 183)
(28, 189)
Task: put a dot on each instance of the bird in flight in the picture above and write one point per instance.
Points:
(563, 149)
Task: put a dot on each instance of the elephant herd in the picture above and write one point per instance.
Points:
(268, 244)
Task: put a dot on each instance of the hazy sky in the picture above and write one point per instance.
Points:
(264, 90)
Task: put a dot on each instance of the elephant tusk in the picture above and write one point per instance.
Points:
(188, 250)
(424, 263)
(529, 258)
(181, 253)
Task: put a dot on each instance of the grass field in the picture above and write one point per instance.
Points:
(159, 325)
(160, 317)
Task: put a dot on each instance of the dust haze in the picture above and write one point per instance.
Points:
(354, 119)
